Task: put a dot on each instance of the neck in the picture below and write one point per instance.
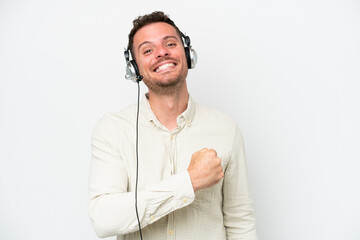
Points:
(168, 107)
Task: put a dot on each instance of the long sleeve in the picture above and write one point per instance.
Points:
(111, 205)
(239, 220)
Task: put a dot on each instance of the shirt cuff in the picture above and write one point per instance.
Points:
(184, 194)
(171, 194)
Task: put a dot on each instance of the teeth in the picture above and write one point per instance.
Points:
(165, 66)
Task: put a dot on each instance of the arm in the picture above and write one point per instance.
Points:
(111, 206)
(239, 220)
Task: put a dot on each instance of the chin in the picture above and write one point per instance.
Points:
(165, 86)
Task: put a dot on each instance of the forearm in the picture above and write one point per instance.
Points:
(239, 219)
(114, 213)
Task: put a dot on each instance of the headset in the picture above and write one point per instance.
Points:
(132, 70)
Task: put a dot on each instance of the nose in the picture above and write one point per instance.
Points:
(162, 52)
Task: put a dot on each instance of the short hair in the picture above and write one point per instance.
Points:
(142, 21)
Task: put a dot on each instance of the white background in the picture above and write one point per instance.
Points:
(286, 71)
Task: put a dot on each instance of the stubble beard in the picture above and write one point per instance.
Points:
(170, 87)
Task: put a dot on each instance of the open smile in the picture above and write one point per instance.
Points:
(165, 66)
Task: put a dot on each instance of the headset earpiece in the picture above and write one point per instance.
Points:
(191, 56)
(132, 70)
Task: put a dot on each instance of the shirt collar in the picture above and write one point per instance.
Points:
(185, 117)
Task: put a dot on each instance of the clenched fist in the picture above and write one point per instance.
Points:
(205, 169)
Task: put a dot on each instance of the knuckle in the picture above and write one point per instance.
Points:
(212, 151)
(203, 150)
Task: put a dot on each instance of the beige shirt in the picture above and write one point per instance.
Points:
(168, 207)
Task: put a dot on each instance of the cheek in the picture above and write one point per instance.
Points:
(144, 64)
(141, 66)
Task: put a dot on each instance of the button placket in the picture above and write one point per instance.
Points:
(170, 227)
(172, 152)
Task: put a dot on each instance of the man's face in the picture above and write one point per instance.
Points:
(160, 56)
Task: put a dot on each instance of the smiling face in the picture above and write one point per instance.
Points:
(160, 56)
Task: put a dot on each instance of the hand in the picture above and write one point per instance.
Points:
(205, 169)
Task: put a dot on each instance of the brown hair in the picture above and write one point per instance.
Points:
(142, 21)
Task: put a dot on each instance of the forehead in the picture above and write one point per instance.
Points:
(154, 32)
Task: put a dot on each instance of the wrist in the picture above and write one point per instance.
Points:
(193, 181)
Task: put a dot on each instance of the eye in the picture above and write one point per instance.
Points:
(171, 44)
(147, 51)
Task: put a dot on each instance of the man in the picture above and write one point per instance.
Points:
(192, 173)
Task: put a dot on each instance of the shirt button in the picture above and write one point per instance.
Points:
(172, 136)
(189, 123)
(185, 200)
(171, 232)
(152, 218)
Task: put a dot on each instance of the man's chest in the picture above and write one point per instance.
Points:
(162, 154)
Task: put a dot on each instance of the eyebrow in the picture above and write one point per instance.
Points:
(164, 38)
